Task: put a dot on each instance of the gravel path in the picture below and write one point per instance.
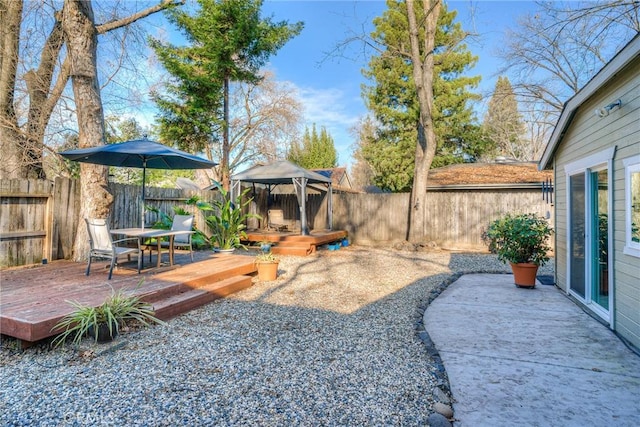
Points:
(332, 342)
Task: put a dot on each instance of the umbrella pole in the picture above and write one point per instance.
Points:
(144, 179)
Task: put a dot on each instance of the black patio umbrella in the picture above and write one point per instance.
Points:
(139, 153)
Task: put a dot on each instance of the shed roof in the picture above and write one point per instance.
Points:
(488, 173)
(279, 172)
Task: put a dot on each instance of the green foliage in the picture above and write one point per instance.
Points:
(266, 257)
(316, 151)
(519, 238)
(164, 222)
(503, 122)
(392, 98)
(113, 312)
(228, 41)
(229, 220)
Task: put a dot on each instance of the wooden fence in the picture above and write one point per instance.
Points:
(39, 219)
(456, 218)
(36, 219)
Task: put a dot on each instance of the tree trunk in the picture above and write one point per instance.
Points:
(224, 161)
(22, 148)
(81, 37)
(38, 85)
(422, 53)
(11, 165)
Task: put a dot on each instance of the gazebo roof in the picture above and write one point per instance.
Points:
(279, 172)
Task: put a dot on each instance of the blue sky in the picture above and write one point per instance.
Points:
(329, 87)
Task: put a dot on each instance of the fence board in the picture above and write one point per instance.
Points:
(66, 208)
(24, 211)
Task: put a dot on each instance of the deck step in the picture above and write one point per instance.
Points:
(292, 250)
(200, 274)
(182, 302)
(292, 243)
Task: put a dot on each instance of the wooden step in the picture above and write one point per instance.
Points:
(201, 273)
(292, 243)
(292, 250)
(182, 302)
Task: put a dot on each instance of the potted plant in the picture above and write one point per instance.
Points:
(103, 322)
(523, 241)
(228, 221)
(267, 264)
(265, 245)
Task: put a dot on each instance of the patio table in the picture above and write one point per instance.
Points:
(144, 233)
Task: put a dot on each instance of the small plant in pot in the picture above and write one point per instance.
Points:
(267, 264)
(523, 241)
(104, 321)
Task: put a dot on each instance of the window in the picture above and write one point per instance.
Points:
(632, 205)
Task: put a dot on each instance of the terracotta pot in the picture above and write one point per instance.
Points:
(524, 274)
(267, 271)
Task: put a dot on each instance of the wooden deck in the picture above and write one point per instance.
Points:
(33, 300)
(292, 243)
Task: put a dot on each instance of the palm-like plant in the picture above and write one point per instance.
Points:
(228, 223)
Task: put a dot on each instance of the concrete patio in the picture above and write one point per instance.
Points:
(530, 357)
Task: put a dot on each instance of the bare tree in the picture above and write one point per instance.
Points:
(553, 53)
(74, 27)
(422, 35)
(44, 80)
(361, 172)
(265, 120)
(538, 126)
(11, 162)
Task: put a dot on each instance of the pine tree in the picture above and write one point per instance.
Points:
(316, 151)
(229, 42)
(503, 123)
(393, 101)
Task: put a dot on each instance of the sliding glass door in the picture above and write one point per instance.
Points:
(600, 239)
(577, 234)
(588, 238)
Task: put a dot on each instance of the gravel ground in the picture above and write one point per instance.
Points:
(332, 342)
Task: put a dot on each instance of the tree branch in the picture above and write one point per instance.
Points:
(118, 23)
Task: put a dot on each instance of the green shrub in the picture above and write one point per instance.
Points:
(113, 312)
(520, 238)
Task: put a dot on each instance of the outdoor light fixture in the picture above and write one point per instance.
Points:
(604, 112)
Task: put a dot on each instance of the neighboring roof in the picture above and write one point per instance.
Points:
(339, 178)
(623, 58)
(465, 174)
(336, 174)
(279, 172)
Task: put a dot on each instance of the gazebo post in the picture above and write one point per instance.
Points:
(234, 191)
(330, 208)
(301, 183)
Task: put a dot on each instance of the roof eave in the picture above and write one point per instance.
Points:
(620, 61)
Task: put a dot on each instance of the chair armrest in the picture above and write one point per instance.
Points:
(127, 239)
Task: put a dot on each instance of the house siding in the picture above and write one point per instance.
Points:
(586, 135)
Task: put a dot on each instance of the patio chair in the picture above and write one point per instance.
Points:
(276, 220)
(103, 246)
(180, 223)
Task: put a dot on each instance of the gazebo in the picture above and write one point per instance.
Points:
(284, 172)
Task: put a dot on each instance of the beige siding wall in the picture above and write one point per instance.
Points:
(587, 135)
